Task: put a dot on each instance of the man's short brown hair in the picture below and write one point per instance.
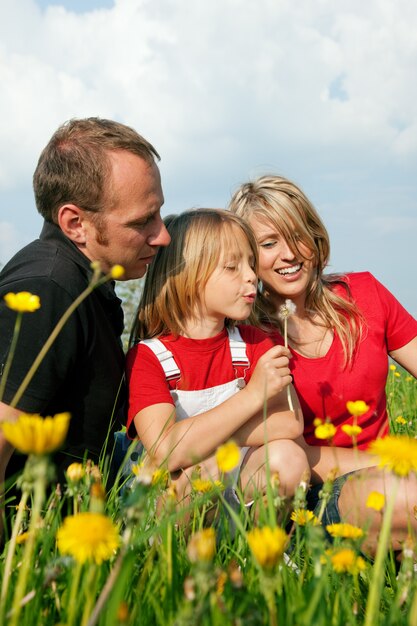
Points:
(75, 167)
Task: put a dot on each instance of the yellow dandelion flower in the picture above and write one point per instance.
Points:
(33, 434)
(393, 367)
(357, 408)
(396, 453)
(400, 420)
(160, 477)
(144, 474)
(317, 421)
(408, 379)
(267, 545)
(22, 538)
(375, 500)
(351, 430)
(75, 472)
(171, 492)
(22, 302)
(346, 561)
(347, 531)
(202, 546)
(205, 486)
(397, 374)
(117, 271)
(88, 537)
(228, 456)
(325, 431)
(302, 517)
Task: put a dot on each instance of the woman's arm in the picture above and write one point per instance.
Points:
(180, 444)
(407, 356)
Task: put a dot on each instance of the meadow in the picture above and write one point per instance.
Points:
(83, 555)
(84, 552)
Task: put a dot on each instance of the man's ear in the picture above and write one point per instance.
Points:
(71, 222)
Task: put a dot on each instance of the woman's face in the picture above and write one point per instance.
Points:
(285, 274)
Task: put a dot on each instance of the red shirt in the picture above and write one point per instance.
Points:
(203, 363)
(324, 386)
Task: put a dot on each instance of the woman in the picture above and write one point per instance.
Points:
(340, 335)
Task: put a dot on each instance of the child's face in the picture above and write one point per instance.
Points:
(231, 289)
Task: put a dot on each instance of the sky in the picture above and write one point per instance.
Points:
(323, 92)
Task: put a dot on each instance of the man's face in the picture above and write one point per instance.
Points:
(130, 230)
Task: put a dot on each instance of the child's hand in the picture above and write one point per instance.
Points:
(271, 374)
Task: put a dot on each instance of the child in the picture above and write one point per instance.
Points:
(191, 359)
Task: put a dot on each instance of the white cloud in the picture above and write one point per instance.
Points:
(187, 73)
(322, 91)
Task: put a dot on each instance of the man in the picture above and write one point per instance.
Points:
(99, 190)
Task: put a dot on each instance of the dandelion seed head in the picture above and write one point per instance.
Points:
(287, 309)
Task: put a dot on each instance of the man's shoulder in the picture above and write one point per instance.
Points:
(42, 262)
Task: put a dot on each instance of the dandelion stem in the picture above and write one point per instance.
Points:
(105, 592)
(10, 552)
(39, 495)
(10, 356)
(290, 404)
(91, 585)
(73, 605)
(375, 589)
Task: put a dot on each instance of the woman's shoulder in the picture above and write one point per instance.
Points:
(353, 284)
(351, 279)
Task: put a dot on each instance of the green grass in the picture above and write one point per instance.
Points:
(151, 580)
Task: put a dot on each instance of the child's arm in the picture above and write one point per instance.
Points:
(274, 421)
(184, 443)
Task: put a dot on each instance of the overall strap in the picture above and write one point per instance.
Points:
(237, 347)
(165, 358)
(171, 369)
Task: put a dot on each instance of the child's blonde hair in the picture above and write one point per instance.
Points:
(175, 281)
(279, 201)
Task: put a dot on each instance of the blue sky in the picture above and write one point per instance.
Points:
(77, 6)
(322, 92)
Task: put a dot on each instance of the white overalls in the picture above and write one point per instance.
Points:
(190, 403)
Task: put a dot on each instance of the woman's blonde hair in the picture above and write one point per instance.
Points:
(280, 202)
(175, 281)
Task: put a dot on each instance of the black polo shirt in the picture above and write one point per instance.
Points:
(82, 372)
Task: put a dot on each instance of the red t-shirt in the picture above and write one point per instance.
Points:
(203, 363)
(324, 386)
